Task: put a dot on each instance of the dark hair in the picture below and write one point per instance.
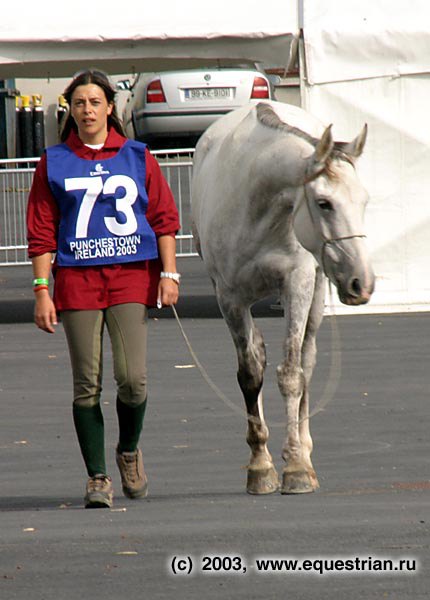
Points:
(84, 78)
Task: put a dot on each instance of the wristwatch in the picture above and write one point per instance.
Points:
(175, 276)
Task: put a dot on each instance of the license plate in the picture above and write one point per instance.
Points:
(208, 93)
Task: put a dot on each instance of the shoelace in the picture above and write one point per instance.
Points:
(97, 483)
(131, 466)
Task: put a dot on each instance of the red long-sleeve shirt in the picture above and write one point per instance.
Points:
(97, 287)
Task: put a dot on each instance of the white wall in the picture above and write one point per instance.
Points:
(363, 65)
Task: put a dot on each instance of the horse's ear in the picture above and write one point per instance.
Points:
(323, 149)
(355, 148)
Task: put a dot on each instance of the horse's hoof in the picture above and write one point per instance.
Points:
(262, 481)
(299, 482)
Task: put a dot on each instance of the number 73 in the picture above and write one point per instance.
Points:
(93, 187)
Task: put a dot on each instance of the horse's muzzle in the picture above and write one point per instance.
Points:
(357, 290)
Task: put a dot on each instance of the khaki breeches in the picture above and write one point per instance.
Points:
(127, 328)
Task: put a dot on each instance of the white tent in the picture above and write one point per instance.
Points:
(369, 61)
(361, 61)
(53, 39)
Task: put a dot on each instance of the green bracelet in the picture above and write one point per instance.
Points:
(40, 281)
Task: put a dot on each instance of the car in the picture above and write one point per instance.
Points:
(173, 108)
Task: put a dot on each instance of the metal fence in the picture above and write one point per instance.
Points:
(15, 182)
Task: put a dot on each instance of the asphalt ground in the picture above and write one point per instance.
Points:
(371, 448)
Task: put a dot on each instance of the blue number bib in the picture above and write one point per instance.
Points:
(102, 207)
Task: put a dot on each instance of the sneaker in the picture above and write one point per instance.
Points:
(99, 492)
(133, 478)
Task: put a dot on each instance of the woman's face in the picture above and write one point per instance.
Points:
(90, 110)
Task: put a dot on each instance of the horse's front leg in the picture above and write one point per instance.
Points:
(294, 374)
(262, 476)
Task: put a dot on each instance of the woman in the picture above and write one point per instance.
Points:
(101, 203)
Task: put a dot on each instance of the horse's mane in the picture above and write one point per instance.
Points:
(268, 117)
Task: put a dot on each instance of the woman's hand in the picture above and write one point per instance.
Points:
(45, 315)
(168, 291)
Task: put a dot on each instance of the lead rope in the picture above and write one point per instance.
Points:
(335, 363)
(206, 377)
(329, 390)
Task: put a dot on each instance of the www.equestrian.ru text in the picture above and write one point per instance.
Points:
(238, 565)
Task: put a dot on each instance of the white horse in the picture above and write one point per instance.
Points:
(276, 205)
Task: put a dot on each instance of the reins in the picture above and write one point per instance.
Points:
(327, 395)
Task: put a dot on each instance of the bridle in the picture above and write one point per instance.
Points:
(325, 241)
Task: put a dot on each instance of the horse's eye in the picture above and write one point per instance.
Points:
(325, 204)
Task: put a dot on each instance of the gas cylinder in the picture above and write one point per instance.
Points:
(61, 113)
(17, 132)
(26, 127)
(38, 126)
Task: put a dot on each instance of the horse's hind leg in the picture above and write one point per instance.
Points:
(251, 353)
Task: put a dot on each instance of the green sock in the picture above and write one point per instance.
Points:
(90, 430)
(130, 420)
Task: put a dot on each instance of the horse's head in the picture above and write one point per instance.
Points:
(328, 217)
